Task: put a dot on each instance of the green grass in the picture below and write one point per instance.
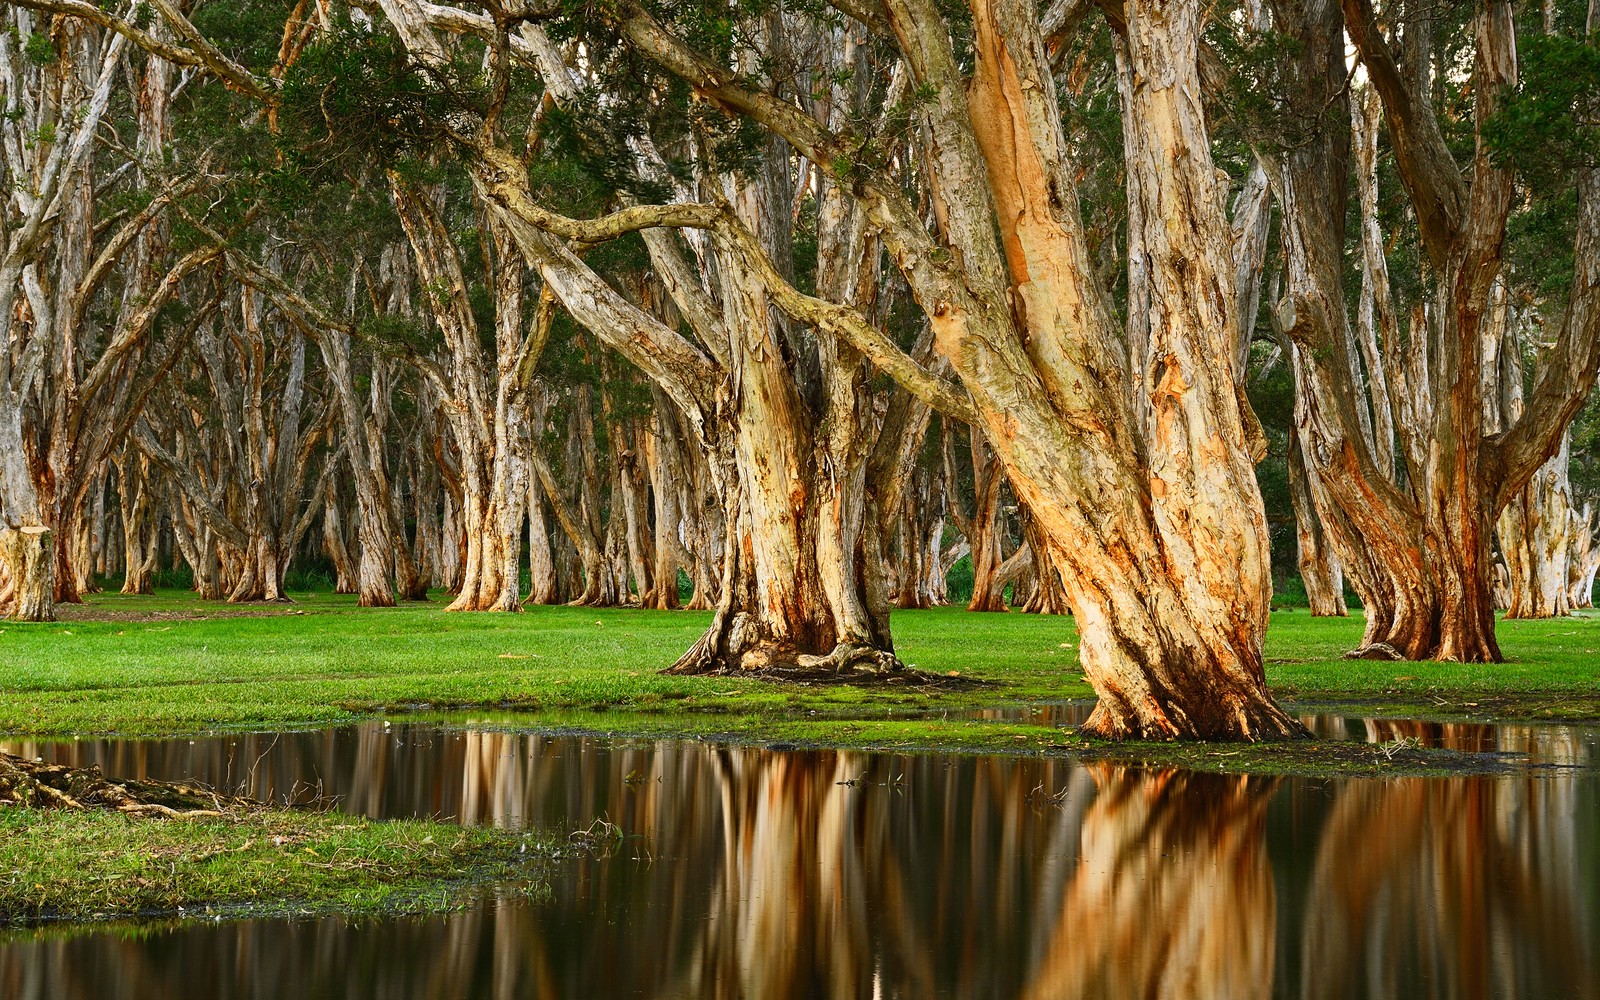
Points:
(154, 668)
(82, 865)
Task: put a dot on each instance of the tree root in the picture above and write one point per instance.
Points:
(38, 785)
(851, 657)
(847, 663)
(1375, 651)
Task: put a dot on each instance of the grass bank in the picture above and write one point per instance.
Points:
(74, 865)
(170, 664)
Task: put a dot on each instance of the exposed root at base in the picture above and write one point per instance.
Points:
(38, 785)
(744, 653)
(1375, 651)
(906, 676)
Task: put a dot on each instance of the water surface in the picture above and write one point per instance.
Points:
(757, 873)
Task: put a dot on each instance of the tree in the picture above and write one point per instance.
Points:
(1392, 421)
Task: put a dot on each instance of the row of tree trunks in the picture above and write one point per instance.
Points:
(1144, 504)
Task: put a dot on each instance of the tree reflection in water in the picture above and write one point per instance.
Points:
(764, 874)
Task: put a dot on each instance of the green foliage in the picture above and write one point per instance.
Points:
(1546, 128)
(40, 48)
(1257, 105)
(247, 31)
(393, 333)
(1540, 240)
(356, 101)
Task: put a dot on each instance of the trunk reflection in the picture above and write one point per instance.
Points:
(753, 873)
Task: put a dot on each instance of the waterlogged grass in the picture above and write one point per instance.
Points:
(171, 664)
(71, 865)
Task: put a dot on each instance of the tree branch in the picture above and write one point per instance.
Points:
(1567, 374)
(203, 55)
(1429, 172)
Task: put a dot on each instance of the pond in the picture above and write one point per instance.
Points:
(761, 873)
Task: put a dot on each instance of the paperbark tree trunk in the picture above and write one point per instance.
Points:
(1047, 595)
(800, 582)
(139, 525)
(1320, 571)
(30, 562)
(803, 587)
(334, 541)
(1426, 536)
(1534, 542)
(985, 530)
(373, 573)
(1584, 559)
(1169, 652)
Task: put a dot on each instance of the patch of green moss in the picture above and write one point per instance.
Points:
(73, 865)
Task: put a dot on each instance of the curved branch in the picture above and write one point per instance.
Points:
(203, 55)
(1567, 375)
(1430, 173)
(849, 325)
(192, 487)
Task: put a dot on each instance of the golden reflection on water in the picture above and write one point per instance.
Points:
(762, 874)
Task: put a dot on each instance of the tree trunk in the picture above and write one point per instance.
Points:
(545, 585)
(1141, 550)
(1047, 595)
(373, 573)
(334, 541)
(139, 525)
(1583, 560)
(985, 530)
(802, 585)
(1534, 542)
(1427, 539)
(1320, 571)
(30, 560)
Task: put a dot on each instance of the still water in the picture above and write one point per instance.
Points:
(759, 873)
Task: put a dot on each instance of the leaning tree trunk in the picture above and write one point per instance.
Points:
(1144, 538)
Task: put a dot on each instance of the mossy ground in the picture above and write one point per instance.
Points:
(171, 664)
(74, 865)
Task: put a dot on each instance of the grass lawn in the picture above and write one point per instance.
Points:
(171, 664)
